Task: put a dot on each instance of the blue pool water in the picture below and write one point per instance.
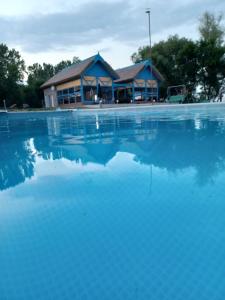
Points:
(113, 205)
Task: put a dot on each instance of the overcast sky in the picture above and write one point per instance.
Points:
(52, 30)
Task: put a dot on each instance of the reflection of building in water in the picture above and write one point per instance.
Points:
(168, 144)
(172, 145)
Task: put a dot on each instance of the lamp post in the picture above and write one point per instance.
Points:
(148, 12)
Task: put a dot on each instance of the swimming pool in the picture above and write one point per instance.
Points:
(113, 205)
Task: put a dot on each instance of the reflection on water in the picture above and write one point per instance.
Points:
(172, 144)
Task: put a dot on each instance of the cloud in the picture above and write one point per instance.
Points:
(94, 22)
(89, 25)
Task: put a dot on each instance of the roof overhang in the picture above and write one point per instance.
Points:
(46, 85)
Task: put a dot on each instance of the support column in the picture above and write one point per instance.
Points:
(52, 101)
(82, 90)
(158, 91)
(113, 100)
(145, 91)
(97, 87)
(133, 92)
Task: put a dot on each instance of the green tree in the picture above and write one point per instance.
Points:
(12, 68)
(211, 54)
(211, 29)
(41, 73)
(37, 75)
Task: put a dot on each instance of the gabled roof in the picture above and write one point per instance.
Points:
(78, 69)
(131, 72)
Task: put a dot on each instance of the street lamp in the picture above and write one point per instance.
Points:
(148, 12)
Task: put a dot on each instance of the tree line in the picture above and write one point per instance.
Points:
(13, 72)
(199, 63)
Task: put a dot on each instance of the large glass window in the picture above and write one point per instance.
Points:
(65, 92)
(105, 93)
(139, 94)
(72, 99)
(90, 92)
(152, 93)
(69, 96)
(71, 91)
(123, 95)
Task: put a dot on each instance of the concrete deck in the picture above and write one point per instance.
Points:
(110, 107)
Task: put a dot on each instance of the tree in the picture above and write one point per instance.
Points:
(211, 29)
(211, 54)
(12, 68)
(41, 73)
(37, 75)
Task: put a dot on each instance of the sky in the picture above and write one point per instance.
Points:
(52, 30)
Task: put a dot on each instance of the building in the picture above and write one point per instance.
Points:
(139, 82)
(81, 82)
(93, 79)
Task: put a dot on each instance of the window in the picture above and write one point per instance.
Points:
(90, 92)
(69, 96)
(106, 93)
(72, 99)
(71, 91)
(139, 94)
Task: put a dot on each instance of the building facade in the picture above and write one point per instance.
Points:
(93, 79)
(139, 82)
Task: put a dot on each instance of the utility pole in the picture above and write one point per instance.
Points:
(148, 12)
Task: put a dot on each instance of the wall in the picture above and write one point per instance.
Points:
(97, 70)
(146, 74)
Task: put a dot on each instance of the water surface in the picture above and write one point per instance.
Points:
(117, 205)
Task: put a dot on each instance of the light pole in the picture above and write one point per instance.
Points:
(148, 12)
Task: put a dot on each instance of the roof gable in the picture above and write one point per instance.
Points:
(129, 73)
(77, 70)
(146, 74)
(101, 68)
(97, 69)
(134, 71)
